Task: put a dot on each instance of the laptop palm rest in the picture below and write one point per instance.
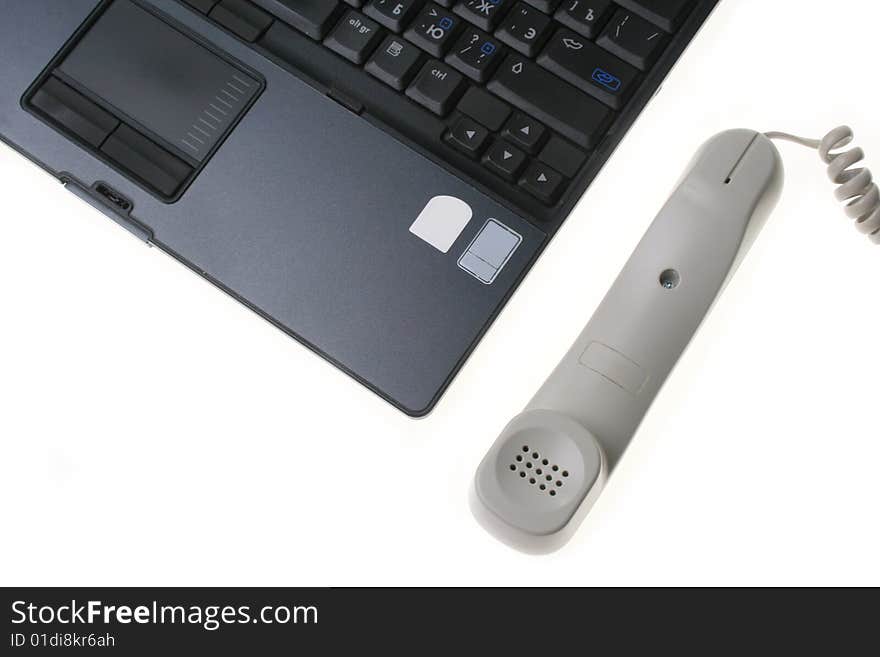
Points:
(308, 213)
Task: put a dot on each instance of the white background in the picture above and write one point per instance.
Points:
(152, 431)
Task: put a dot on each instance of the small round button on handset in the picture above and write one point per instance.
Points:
(670, 279)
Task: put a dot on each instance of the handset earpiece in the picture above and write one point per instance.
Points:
(548, 466)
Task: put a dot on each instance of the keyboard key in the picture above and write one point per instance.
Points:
(485, 108)
(542, 182)
(562, 156)
(505, 160)
(434, 29)
(556, 103)
(483, 13)
(203, 6)
(314, 18)
(525, 132)
(526, 88)
(468, 136)
(242, 18)
(586, 17)
(589, 67)
(475, 54)
(633, 39)
(395, 62)
(355, 37)
(668, 14)
(525, 29)
(393, 14)
(436, 87)
(547, 6)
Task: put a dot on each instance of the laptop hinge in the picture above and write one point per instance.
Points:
(111, 203)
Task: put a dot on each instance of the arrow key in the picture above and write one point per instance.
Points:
(542, 182)
(505, 160)
(525, 132)
(468, 136)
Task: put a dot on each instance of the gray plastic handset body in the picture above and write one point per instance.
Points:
(586, 413)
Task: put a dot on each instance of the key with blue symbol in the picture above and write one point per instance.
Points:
(607, 80)
(434, 29)
(590, 68)
(476, 54)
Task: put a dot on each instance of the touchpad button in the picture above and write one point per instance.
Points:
(144, 95)
(170, 84)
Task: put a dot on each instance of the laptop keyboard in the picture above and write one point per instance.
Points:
(514, 93)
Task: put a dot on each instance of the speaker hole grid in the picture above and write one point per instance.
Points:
(531, 477)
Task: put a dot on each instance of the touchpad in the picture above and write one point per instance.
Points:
(175, 99)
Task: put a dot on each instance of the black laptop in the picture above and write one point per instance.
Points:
(374, 177)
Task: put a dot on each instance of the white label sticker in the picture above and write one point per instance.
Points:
(442, 221)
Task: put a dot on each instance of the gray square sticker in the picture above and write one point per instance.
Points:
(489, 251)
